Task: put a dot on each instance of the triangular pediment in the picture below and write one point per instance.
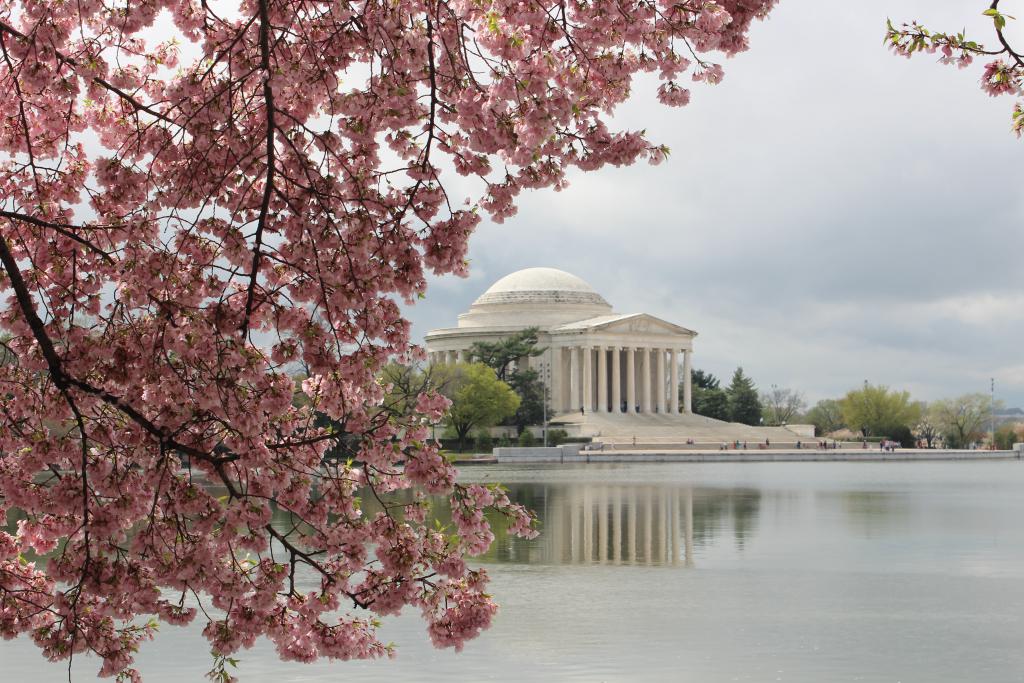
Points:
(634, 323)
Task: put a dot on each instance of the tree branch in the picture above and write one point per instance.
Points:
(70, 61)
(60, 228)
(268, 184)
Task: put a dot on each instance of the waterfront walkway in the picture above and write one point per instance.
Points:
(571, 454)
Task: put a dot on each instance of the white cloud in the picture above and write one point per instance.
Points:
(830, 213)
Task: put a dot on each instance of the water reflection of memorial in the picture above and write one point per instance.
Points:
(627, 524)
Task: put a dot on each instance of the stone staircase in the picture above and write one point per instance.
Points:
(673, 431)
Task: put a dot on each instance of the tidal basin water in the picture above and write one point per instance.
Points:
(710, 572)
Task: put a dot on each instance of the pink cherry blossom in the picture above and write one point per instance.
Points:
(200, 202)
(1001, 76)
(1000, 79)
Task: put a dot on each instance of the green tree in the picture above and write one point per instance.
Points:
(406, 382)
(876, 410)
(502, 354)
(704, 380)
(779, 406)
(826, 416)
(527, 385)
(904, 435)
(963, 419)
(1009, 434)
(709, 398)
(479, 399)
(507, 358)
(744, 404)
(713, 403)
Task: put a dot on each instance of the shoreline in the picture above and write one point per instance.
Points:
(559, 455)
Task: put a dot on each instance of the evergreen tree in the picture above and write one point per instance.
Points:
(713, 403)
(744, 404)
(527, 384)
(709, 399)
(507, 357)
(704, 380)
(500, 355)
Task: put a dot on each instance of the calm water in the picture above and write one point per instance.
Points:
(705, 573)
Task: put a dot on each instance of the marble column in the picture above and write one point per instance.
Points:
(554, 388)
(645, 380)
(463, 355)
(588, 379)
(659, 379)
(453, 357)
(602, 379)
(687, 382)
(631, 381)
(574, 379)
(673, 384)
(616, 380)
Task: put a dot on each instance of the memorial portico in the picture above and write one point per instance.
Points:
(594, 359)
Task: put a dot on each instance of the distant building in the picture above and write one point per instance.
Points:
(1009, 415)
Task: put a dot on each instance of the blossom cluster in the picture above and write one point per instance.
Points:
(1003, 75)
(199, 201)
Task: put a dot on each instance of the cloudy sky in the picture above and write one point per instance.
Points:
(830, 213)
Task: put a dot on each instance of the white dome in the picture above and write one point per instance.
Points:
(541, 297)
(541, 286)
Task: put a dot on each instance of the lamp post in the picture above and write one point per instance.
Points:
(864, 429)
(992, 410)
(546, 376)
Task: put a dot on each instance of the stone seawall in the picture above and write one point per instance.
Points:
(572, 454)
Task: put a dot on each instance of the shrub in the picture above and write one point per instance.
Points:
(556, 437)
(484, 442)
(903, 435)
(527, 439)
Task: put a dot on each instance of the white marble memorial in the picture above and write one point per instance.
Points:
(595, 360)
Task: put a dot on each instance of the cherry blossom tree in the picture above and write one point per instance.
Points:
(200, 199)
(1003, 75)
